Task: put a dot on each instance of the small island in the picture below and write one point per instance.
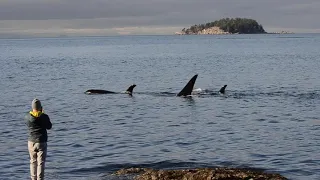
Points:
(225, 26)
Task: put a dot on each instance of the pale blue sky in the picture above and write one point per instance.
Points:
(112, 17)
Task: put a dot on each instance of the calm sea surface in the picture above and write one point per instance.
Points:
(269, 119)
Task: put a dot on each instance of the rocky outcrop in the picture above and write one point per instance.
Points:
(199, 174)
(211, 30)
(179, 33)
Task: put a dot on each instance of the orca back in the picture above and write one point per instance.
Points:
(98, 91)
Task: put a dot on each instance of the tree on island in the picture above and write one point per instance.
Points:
(230, 25)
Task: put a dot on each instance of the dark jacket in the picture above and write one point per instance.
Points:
(38, 123)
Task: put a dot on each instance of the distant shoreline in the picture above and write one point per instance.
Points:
(226, 33)
(218, 31)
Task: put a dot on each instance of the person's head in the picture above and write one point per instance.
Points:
(36, 105)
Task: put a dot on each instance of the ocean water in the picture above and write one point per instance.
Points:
(268, 119)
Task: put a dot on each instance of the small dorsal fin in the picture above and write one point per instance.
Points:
(223, 89)
(130, 89)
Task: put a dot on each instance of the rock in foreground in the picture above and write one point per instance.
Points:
(199, 174)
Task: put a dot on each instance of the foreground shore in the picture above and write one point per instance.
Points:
(198, 174)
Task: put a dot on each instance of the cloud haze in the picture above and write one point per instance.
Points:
(110, 17)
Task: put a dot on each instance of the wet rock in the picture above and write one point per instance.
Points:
(130, 171)
(199, 174)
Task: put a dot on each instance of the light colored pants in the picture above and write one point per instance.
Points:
(38, 154)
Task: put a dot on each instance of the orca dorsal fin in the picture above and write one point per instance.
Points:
(189, 87)
(130, 89)
(223, 89)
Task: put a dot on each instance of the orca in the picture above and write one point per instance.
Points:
(187, 90)
(100, 91)
(223, 89)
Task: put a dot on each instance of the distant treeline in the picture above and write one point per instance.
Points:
(231, 25)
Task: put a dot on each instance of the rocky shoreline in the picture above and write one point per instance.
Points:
(218, 31)
(212, 30)
(197, 174)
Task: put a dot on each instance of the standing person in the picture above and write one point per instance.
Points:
(38, 122)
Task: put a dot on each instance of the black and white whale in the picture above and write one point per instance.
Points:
(100, 91)
(204, 92)
(187, 90)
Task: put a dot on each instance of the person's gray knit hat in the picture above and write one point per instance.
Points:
(36, 104)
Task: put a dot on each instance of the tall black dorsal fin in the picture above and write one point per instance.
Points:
(189, 87)
(130, 89)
